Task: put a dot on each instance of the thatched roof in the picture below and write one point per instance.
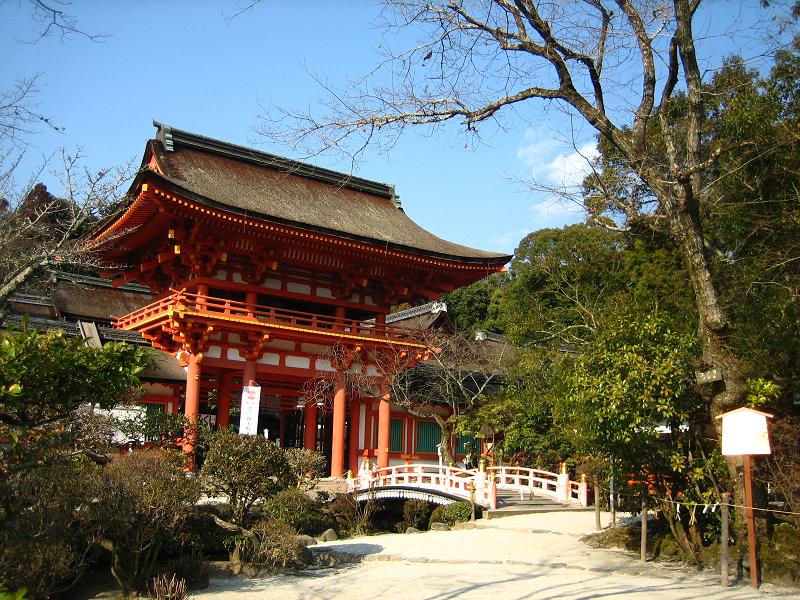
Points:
(261, 185)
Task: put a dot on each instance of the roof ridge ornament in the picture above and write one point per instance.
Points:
(396, 199)
(165, 135)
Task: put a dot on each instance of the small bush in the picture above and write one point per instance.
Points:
(415, 514)
(45, 531)
(200, 533)
(352, 516)
(142, 503)
(295, 508)
(457, 512)
(307, 466)
(245, 469)
(164, 587)
(276, 545)
(192, 568)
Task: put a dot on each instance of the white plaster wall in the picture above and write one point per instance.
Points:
(281, 345)
(298, 362)
(233, 354)
(270, 359)
(298, 288)
(323, 364)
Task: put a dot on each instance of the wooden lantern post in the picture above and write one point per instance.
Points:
(744, 433)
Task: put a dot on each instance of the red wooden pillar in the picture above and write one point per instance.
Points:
(191, 408)
(310, 429)
(249, 372)
(384, 423)
(224, 400)
(355, 413)
(339, 409)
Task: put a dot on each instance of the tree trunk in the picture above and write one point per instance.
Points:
(447, 456)
(730, 392)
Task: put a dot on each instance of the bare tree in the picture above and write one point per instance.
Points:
(53, 19)
(618, 65)
(446, 376)
(40, 230)
(19, 114)
(448, 379)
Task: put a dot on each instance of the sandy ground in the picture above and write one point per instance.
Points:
(527, 556)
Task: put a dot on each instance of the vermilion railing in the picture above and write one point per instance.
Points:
(182, 303)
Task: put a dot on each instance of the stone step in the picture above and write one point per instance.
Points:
(509, 503)
(535, 501)
(509, 511)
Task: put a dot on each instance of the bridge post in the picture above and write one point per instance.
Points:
(562, 484)
(583, 491)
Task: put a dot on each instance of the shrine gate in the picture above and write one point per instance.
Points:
(260, 265)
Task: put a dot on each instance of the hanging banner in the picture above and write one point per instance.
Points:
(251, 402)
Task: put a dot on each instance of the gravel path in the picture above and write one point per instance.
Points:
(528, 556)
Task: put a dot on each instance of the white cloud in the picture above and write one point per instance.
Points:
(552, 212)
(554, 164)
(551, 162)
(568, 170)
(535, 150)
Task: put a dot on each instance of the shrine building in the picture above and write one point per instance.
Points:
(259, 266)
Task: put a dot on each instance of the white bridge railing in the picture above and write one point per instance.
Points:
(451, 481)
(462, 483)
(543, 483)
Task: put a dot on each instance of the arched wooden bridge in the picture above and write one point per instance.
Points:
(444, 485)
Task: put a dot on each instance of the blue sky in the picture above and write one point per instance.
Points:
(186, 64)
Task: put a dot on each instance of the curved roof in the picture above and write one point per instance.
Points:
(262, 185)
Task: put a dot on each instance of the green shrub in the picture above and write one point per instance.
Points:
(276, 544)
(142, 503)
(352, 516)
(295, 508)
(200, 533)
(307, 466)
(245, 469)
(45, 529)
(457, 512)
(415, 514)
